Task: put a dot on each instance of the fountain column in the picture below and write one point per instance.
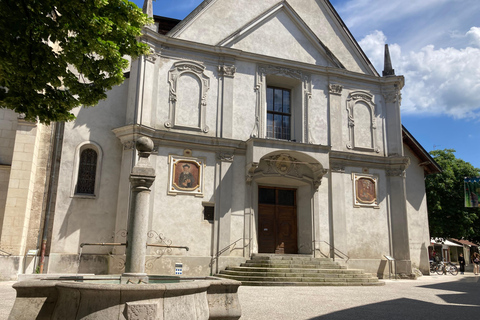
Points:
(141, 179)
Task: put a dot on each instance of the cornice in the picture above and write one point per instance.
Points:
(163, 138)
(339, 158)
(288, 145)
(168, 43)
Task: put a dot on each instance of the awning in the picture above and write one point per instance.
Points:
(451, 244)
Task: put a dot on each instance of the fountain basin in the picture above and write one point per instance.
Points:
(206, 298)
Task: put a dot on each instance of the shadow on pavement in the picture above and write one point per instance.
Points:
(463, 304)
(469, 286)
(404, 309)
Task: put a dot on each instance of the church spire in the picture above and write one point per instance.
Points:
(387, 67)
(148, 8)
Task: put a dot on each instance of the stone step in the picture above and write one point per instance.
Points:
(302, 279)
(306, 262)
(295, 270)
(296, 257)
(295, 275)
(291, 265)
(304, 284)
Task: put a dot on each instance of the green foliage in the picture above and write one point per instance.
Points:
(56, 55)
(448, 217)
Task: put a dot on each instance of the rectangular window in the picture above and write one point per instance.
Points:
(208, 211)
(278, 113)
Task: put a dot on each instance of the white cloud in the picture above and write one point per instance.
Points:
(437, 81)
(474, 35)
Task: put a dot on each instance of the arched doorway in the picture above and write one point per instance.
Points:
(284, 184)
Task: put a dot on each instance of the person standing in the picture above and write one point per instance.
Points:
(476, 262)
(461, 261)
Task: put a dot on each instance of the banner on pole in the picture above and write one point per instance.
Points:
(472, 192)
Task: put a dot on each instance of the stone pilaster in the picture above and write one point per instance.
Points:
(337, 211)
(335, 133)
(226, 74)
(393, 122)
(223, 201)
(399, 220)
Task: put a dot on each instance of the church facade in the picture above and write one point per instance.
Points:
(273, 134)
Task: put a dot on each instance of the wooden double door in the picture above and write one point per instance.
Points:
(277, 220)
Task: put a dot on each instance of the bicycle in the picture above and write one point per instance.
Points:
(442, 268)
(452, 269)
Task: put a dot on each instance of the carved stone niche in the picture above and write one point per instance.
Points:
(188, 96)
(362, 122)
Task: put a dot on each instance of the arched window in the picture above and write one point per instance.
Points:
(86, 173)
(87, 170)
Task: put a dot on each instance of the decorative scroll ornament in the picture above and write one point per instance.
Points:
(335, 89)
(338, 168)
(158, 252)
(152, 56)
(274, 70)
(282, 163)
(129, 145)
(228, 157)
(250, 171)
(227, 71)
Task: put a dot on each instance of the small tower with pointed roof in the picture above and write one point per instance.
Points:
(387, 67)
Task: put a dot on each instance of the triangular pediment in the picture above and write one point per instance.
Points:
(307, 31)
(281, 33)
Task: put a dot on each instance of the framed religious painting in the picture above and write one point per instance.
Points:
(185, 175)
(365, 190)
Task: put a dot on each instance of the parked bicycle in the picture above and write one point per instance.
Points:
(443, 268)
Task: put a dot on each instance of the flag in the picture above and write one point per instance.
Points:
(472, 192)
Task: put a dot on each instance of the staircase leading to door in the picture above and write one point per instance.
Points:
(297, 270)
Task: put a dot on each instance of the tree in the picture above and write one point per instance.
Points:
(448, 216)
(56, 55)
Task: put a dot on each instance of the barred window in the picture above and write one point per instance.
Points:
(87, 170)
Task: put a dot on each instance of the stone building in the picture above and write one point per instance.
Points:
(273, 134)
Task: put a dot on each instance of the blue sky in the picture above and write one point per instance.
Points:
(435, 44)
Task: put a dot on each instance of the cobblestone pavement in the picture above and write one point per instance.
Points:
(431, 297)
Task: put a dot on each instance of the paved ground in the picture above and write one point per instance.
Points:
(431, 297)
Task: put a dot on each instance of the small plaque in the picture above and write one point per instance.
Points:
(32, 252)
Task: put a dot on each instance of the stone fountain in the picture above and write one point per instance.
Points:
(129, 296)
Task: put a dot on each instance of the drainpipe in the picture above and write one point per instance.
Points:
(51, 182)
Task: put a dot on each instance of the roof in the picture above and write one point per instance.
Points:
(465, 242)
(427, 162)
(358, 55)
(165, 24)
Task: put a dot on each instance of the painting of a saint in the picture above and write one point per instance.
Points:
(186, 175)
(366, 190)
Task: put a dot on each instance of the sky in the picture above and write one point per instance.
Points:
(434, 44)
